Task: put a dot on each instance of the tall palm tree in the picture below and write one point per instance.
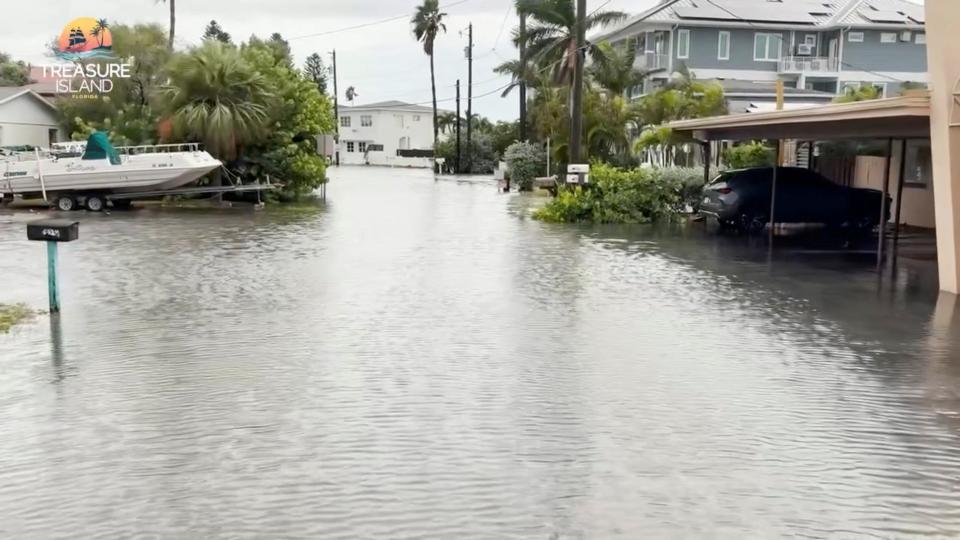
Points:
(552, 37)
(173, 21)
(427, 23)
(616, 75)
(217, 98)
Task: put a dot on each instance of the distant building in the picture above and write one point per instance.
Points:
(824, 46)
(26, 118)
(390, 133)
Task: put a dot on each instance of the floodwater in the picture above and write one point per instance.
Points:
(418, 359)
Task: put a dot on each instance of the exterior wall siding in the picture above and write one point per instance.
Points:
(389, 126)
(704, 48)
(872, 55)
(27, 121)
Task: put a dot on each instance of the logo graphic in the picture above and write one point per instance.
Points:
(85, 38)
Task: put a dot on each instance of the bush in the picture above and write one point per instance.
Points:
(617, 196)
(746, 156)
(525, 161)
(484, 158)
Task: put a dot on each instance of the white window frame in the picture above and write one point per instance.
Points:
(721, 53)
(920, 38)
(810, 39)
(855, 37)
(366, 120)
(681, 41)
(889, 37)
(768, 36)
(344, 121)
(882, 86)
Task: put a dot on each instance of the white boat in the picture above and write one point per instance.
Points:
(101, 170)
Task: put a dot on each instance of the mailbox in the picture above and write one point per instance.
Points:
(53, 230)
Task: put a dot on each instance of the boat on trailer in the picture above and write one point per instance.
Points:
(101, 171)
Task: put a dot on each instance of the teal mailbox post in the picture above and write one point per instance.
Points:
(53, 231)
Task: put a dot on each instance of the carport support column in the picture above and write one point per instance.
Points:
(706, 145)
(943, 61)
(883, 205)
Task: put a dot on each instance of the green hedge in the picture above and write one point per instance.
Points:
(625, 196)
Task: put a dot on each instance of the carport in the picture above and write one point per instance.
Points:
(894, 120)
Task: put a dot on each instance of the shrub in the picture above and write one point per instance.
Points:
(746, 156)
(689, 181)
(617, 196)
(484, 159)
(525, 161)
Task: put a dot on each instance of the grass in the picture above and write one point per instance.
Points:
(11, 315)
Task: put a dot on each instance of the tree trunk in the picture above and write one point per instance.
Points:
(173, 22)
(436, 135)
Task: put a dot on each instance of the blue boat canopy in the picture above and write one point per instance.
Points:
(99, 147)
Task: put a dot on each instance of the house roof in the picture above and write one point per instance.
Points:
(736, 87)
(388, 105)
(817, 14)
(10, 93)
(900, 117)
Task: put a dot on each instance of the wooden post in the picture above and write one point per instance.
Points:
(883, 206)
(52, 291)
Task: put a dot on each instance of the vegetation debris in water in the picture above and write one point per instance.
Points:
(14, 314)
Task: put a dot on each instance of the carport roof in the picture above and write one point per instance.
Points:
(900, 117)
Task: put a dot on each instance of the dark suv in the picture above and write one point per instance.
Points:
(741, 199)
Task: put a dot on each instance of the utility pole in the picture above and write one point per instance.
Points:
(336, 109)
(469, 94)
(576, 118)
(523, 73)
(457, 160)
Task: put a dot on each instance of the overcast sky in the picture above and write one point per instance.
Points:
(382, 61)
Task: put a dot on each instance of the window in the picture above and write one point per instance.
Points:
(375, 147)
(723, 46)
(366, 120)
(855, 37)
(344, 121)
(888, 37)
(919, 164)
(349, 146)
(921, 39)
(362, 146)
(416, 118)
(810, 39)
(683, 44)
(766, 47)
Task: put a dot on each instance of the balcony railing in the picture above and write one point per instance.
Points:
(805, 64)
(651, 61)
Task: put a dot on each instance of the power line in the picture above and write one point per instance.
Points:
(372, 23)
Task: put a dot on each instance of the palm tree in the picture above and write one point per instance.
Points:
(427, 23)
(552, 38)
(617, 74)
(173, 21)
(100, 30)
(214, 96)
(352, 94)
(447, 122)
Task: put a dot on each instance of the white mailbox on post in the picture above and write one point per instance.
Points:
(578, 173)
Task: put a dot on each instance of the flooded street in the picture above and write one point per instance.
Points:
(418, 359)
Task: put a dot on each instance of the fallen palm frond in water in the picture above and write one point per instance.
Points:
(11, 315)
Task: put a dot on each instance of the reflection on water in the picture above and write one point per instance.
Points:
(417, 359)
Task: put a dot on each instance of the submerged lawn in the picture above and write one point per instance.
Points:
(11, 315)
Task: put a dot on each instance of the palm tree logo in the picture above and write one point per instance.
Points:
(85, 38)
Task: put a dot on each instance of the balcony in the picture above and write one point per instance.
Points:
(651, 61)
(809, 64)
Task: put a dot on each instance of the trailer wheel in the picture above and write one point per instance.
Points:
(66, 203)
(95, 203)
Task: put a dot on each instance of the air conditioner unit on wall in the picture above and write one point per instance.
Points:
(805, 49)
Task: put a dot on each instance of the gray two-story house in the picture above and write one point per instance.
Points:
(817, 47)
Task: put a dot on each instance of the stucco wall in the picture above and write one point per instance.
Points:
(26, 120)
(918, 203)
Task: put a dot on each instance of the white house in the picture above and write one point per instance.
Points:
(390, 133)
(26, 118)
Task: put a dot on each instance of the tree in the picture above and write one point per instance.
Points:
(316, 71)
(13, 73)
(552, 37)
(173, 21)
(351, 94)
(447, 122)
(427, 23)
(215, 97)
(616, 75)
(214, 31)
(863, 93)
(99, 31)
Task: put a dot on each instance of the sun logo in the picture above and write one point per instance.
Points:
(85, 38)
